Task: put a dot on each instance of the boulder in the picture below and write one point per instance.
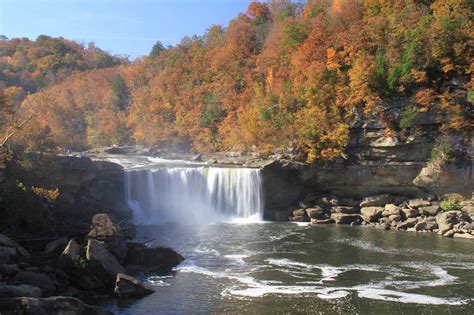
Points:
(10, 291)
(421, 226)
(417, 203)
(466, 236)
(449, 233)
(299, 213)
(395, 218)
(348, 202)
(429, 210)
(7, 254)
(141, 258)
(344, 209)
(68, 256)
(56, 246)
(371, 214)
(343, 218)
(104, 230)
(408, 223)
(102, 261)
(52, 305)
(410, 213)
(39, 280)
(376, 201)
(126, 286)
(9, 270)
(7, 242)
(316, 213)
(390, 209)
(446, 220)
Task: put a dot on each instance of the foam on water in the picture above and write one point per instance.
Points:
(248, 286)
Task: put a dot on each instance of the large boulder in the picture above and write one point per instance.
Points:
(10, 291)
(390, 209)
(141, 257)
(102, 261)
(7, 254)
(410, 212)
(343, 218)
(371, 214)
(429, 210)
(376, 201)
(126, 285)
(106, 231)
(67, 259)
(9, 270)
(39, 280)
(52, 305)
(447, 219)
(408, 223)
(20, 252)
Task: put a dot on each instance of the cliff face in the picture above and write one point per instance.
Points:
(399, 163)
(86, 187)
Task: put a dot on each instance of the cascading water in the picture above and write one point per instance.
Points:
(194, 194)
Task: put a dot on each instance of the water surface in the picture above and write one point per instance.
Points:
(270, 268)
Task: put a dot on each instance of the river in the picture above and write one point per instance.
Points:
(270, 268)
(236, 263)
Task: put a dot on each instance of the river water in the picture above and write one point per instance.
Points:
(272, 268)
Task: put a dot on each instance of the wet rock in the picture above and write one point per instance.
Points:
(390, 209)
(9, 270)
(408, 223)
(410, 213)
(102, 261)
(344, 209)
(383, 226)
(299, 219)
(371, 214)
(376, 201)
(126, 286)
(56, 246)
(52, 305)
(449, 233)
(322, 221)
(316, 213)
(141, 258)
(417, 203)
(343, 218)
(429, 210)
(420, 226)
(446, 220)
(104, 230)
(68, 256)
(10, 291)
(464, 236)
(39, 280)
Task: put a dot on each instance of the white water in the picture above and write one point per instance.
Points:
(194, 194)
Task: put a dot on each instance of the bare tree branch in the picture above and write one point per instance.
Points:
(11, 133)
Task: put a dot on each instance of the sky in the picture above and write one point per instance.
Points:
(125, 27)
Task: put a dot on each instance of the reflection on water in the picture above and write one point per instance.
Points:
(284, 267)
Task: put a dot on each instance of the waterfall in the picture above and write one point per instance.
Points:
(194, 194)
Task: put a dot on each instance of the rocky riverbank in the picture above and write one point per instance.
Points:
(451, 215)
(55, 277)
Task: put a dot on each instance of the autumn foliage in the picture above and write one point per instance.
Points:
(281, 75)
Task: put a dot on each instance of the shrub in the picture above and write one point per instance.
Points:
(408, 117)
(449, 205)
(49, 194)
(441, 153)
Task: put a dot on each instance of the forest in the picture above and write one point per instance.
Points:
(281, 76)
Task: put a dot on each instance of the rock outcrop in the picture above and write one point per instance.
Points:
(127, 286)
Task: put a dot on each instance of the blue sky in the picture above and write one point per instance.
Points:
(128, 27)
